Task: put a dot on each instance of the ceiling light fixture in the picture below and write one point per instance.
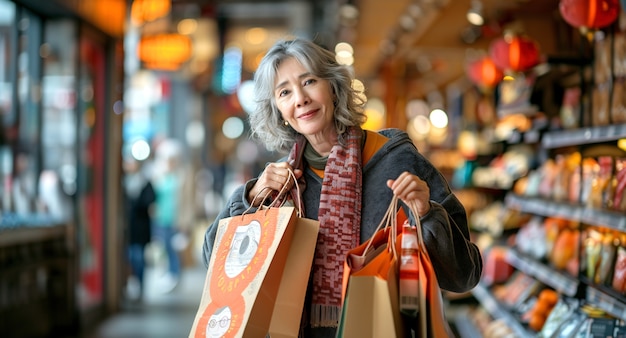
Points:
(475, 13)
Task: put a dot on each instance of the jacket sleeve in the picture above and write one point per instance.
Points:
(237, 204)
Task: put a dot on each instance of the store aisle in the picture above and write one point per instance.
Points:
(161, 314)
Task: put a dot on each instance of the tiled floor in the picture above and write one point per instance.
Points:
(160, 314)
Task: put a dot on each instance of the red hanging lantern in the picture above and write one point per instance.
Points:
(484, 73)
(589, 14)
(515, 53)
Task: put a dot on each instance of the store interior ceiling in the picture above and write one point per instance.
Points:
(429, 42)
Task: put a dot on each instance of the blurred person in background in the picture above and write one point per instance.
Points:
(140, 197)
(173, 211)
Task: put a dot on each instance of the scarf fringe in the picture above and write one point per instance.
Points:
(325, 315)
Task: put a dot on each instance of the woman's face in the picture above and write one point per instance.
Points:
(304, 100)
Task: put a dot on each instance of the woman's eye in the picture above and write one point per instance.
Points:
(283, 92)
(309, 81)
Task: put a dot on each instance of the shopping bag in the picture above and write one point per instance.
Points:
(430, 320)
(244, 274)
(287, 313)
(370, 291)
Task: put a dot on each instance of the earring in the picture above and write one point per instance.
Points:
(286, 123)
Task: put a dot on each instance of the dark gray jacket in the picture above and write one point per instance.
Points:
(457, 261)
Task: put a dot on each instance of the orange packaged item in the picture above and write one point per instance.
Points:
(600, 193)
(619, 200)
(619, 273)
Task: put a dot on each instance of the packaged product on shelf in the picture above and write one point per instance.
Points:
(530, 239)
(541, 309)
(620, 329)
(598, 324)
(589, 165)
(601, 103)
(619, 200)
(618, 110)
(516, 290)
(498, 328)
(601, 193)
(607, 259)
(619, 56)
(549, 172)
(601, 328)
(565, 250)
(573, 180)
(561, 180)
(602, 62)
(593, 248)
(553, 226)
(571, 168)
(563, 320)
(619, 272)
(497, 269)
(571, 325)
(570, 108)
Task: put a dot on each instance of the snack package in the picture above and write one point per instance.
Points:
(619, 272)
(618, 110)
(590, 167)
(570, 108)
(619, 198)
(601, 103)
(600, 193)
(593, 247)
(607, 259)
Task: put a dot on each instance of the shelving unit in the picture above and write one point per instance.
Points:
(578, 287)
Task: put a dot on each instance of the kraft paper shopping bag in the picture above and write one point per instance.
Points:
(289, 304)
(244, 274)
(371, 307)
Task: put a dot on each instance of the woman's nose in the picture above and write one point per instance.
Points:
(302, 99)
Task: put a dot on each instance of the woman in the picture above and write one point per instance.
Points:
(306, 105)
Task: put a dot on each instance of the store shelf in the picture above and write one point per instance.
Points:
(557, 280)
(488, 301)
(565, 138)
(606, 302)
(542, 207)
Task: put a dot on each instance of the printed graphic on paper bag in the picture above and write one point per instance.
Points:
(241, 254)
(221, 320)
(243, 248)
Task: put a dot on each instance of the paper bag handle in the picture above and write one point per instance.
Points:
(418, 224)
(280, 199)
(389, 220)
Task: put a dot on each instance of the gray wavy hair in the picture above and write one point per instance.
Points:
(266, 121)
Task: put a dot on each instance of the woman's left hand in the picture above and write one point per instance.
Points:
(410, 188)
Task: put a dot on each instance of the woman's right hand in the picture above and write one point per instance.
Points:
(272, 179)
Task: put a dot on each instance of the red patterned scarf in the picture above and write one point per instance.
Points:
(340, 221)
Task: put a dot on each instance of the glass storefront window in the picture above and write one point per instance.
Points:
(7, 120)
(59, 122)
(24, 199)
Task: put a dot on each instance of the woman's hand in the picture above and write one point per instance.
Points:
(410, 188)
(272, 179)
